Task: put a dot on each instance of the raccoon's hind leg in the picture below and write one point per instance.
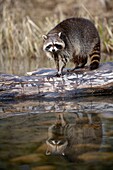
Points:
(74, 60)
(79, 63)
(95, 57)
(83, 61)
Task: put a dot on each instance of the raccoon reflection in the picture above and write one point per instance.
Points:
(65, 138)
(57, 141)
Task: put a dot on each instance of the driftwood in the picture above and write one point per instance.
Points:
(43, 84)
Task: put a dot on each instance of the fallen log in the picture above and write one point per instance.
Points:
(44, 84)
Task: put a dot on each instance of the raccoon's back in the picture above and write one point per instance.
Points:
(80, 26)
(78, 30)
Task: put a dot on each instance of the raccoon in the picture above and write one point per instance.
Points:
(74, 39)
(65, 138)
(56, 141)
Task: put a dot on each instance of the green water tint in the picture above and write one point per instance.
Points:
(47, 135)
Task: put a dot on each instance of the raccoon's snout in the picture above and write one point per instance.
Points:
(53, 50)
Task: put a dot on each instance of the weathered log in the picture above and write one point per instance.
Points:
(44, 84)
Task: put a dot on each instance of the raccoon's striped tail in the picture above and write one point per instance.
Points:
(95, 57)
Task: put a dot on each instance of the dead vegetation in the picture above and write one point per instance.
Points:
(23, 23)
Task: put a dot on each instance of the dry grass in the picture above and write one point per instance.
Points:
(21, 42)
(105, 29)
(21, 39)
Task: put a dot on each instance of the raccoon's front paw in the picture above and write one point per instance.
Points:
(58, 75)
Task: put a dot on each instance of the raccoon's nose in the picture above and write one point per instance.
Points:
(53, 50)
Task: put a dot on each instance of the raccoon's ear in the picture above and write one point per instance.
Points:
(44, 37)
(59, 34)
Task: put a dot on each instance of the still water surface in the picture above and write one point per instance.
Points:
(48, 135)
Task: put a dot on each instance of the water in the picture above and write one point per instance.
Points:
(48, 135)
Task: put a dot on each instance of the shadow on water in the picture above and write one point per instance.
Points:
(45, 135)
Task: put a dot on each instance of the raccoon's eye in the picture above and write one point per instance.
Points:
(61, 142)
(58, 46)
(48, 47)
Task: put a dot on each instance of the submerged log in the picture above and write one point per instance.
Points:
(44, 84)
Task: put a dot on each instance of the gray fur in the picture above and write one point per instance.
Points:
(79, 39)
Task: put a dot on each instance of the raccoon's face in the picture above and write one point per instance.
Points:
(56, 146)
(53, 43)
